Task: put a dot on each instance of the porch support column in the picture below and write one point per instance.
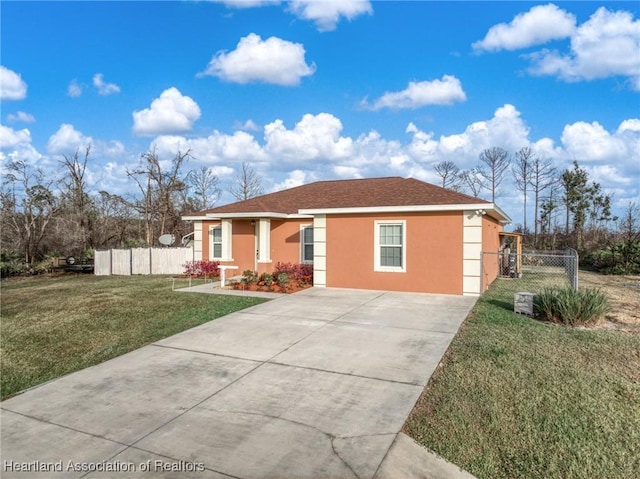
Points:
(471, 252)
(264, 240)
(320, 251)
(197, 240)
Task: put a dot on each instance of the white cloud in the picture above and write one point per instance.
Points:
(506, 129)
(74, 90)
(326, 14)
(539, 25)
(347, 172)
(216, 148)
(273, 60)
(294, 178)
(418, 94)
(103, 87)
(12, 86)
(314, 137)
(172, 112)
(16, 145)
(604, 46)
(248, 125)
(21, 116)
(590, 142)
(10, 138)
(315, 148)
(67, 140)
(610, 175)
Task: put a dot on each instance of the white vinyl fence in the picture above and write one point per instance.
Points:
(126, 262)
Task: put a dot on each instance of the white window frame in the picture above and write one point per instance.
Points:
(225, 242)
(303, 244)
(213, 243)
(376, 247)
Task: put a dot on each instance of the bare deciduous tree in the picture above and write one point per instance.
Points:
(30, 217)
(473, 180)
(78, 203)
(543, 175)
(496, 161)
(159, 188)
(205, 186)
(450, 174)
(522, 171)
(248, 183)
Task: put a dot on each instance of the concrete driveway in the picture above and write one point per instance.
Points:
(312, 385)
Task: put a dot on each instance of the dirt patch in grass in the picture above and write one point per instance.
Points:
(623, 294)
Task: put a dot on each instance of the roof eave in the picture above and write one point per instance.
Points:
(497, 213)
(247, 214)
(396, 209)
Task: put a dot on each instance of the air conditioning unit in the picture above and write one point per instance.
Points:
(523, 303)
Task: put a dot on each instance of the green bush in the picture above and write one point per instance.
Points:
(571, 307)
(282, 279)
(249, 276)
(620, 258)
(267, 279)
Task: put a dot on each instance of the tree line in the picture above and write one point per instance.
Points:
(44, 216)
(569, 191)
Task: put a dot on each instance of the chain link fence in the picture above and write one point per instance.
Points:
(506, 272)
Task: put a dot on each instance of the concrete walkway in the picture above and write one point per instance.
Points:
(312, 385)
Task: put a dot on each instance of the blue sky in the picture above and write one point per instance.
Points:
(311, 90)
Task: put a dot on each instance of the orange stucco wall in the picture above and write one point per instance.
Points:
(434, 253)
(243, 248)
(490, 244)
(285, 240)
(284, 243)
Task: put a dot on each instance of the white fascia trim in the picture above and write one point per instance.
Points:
(501, 216)
(258, 214)
(396, 209)
(195, 218)
(490, 208)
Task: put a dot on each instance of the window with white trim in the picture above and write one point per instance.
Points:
(306, 244)
(390, 246)
(216, 242)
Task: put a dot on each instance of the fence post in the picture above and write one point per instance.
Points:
(576, 263)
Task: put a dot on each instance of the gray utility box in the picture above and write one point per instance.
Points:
(523, 303)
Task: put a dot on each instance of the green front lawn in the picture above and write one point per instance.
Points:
(53, 326)
(516, 397)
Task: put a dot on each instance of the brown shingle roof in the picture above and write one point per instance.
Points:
(370, 192)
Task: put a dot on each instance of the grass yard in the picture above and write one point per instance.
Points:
(516, 397)
(51, 326)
